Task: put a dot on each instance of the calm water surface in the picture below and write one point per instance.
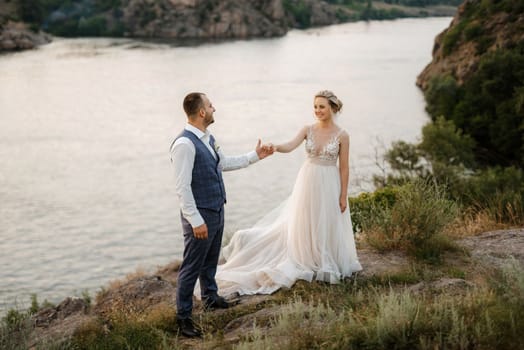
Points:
(86, 190)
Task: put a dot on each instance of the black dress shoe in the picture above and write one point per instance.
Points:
(216, 303)
(187, 328)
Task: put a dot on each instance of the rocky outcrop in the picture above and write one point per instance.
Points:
(496, 247)
(137, 294)
(203, 19)
(213, 19)
(142, 295)
(57, 323)
(15, 36)
(323, 14)
(471, 34)
(182, 19)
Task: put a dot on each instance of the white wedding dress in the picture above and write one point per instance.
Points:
(306, 238)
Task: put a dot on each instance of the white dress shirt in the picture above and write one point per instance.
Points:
(183, 158)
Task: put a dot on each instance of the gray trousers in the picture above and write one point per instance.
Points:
(200, 261)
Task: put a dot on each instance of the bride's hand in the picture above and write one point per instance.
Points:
(271, 148)
(343, 202)
(264, 150)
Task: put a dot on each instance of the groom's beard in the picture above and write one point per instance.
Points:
(208, 120)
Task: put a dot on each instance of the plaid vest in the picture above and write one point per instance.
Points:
(207, 184)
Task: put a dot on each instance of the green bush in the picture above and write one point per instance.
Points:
(473, 30)
(497, 191)
(300, 11)
(31, 11)
(453, 37)
(14, 329)
(406, 159)
(15, 320)
(445, 156)
(87, 26)
(484, 43)
(488, 106)
(442, 95)
(489, 110)
(365, 206)
(443, 142)
(94, 26)
(415, 222)
(66, 28)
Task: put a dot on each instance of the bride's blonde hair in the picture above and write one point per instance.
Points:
(334, 102)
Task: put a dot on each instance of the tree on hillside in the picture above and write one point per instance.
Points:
(489, 106)
(31, 11)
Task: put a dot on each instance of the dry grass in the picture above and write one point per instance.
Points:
(378, 317)
(118, 283)
(472, 223)
(375, 312)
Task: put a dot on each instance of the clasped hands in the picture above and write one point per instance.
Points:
(264, 150)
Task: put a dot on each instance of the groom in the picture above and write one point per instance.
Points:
(198, 165)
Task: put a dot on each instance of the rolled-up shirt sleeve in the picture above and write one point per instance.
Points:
(183, 159)
(228, 163)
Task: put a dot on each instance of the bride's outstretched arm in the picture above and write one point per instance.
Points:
(292, 144)
(344, 170)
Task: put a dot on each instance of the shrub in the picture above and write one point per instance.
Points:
(388, 318)
(300, 11)
(15, 320)
(488, 106)
(31, 11)
(365, 206)
(415, 222)
(441, 95)
(452, 37)
(14, 329)
(473, 30)
(93, 26)
(497, 191)
(406, 159)
(446, 156)
(443, 142)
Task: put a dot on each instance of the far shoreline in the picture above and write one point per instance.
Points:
(17, 37)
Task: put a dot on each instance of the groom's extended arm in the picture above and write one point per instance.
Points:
(238, 162)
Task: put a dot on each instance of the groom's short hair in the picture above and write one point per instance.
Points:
(193, 102)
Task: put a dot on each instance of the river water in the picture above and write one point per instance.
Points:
(86, 187)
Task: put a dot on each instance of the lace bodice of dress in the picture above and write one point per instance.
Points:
(323, 151)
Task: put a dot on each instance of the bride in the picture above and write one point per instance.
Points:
(310, 235)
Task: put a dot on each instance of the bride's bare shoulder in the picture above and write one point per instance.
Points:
(304, 130)
(343, 135)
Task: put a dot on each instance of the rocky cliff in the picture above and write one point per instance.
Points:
(151, 299)
(203, 19)
(16, 36)
(478, 28)
(184, 19)
(168, 19)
